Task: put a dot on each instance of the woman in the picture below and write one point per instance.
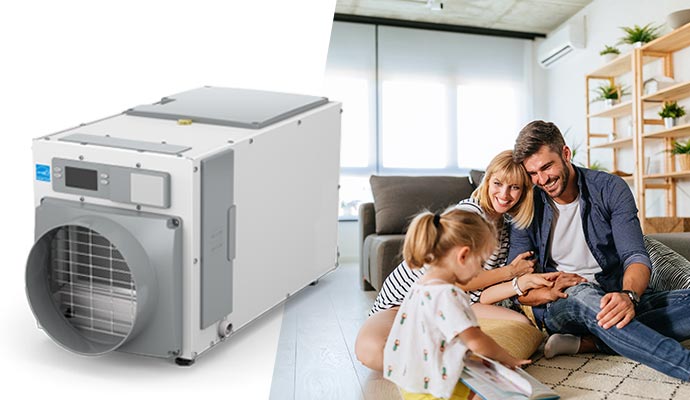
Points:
(505, 198)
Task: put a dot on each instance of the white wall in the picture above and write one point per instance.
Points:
(565, 81)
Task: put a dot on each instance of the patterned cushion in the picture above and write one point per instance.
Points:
(671, 270)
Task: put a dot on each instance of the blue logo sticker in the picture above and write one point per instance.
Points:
(43, 172)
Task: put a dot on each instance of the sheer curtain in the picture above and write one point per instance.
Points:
(423, 102)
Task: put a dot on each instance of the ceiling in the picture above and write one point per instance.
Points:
(533, 16)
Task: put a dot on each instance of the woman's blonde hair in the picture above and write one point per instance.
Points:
(431, 236)
(509, 172)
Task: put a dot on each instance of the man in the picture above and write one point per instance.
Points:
(585, 225)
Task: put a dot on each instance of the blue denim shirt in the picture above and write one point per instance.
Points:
(611, 227)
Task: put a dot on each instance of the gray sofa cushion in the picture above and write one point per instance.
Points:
(398, 198)
(476, 177)
(671, 270)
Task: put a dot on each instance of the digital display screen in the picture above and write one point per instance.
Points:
(81, 178)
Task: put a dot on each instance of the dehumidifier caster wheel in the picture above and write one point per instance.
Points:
(184, 362)
(316, 282)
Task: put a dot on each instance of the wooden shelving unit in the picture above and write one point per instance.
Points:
(609, 73)
(662, 48)
(632, 63)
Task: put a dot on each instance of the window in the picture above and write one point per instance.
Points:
(486, 110)
(419, 102)
(414, 124)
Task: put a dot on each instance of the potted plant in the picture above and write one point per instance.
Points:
(609, 53)
(597, 166)
(638, 35)
(682, 150)
(609, 93)
(670, 112)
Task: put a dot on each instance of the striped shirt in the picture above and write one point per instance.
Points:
(398, 283)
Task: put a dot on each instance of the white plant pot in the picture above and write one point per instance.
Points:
(608, 57)
(670, 122)
(637, 45)
(608, 103)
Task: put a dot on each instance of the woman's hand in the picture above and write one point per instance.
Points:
(521, 265)
(533, 281)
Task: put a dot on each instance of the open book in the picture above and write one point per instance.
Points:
(492, 380)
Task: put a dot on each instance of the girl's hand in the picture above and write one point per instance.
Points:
(514, 362)
(521, 265)
(533, 281)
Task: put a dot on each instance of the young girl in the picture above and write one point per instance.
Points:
(435, 325)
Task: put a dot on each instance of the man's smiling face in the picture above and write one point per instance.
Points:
(550, 171)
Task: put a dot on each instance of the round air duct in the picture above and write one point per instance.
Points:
(89, 285)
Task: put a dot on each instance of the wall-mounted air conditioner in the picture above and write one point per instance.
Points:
(562, 42)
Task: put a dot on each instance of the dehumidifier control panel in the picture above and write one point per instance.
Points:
(113, 182)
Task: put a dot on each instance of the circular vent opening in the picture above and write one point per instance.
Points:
(81, 290)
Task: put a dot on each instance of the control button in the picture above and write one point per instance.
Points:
(104, 182)
(104, 176)
(57, 169)
(57, 176)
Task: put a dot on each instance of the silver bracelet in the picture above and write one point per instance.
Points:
(516, 288)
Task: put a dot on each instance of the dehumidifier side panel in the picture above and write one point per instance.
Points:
(217, 237)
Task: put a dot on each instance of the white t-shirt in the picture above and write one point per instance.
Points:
(423, 353)
(569, 249)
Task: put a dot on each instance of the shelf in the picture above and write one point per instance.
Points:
(676, 131)
(674, 41)
(618, 110)
(616, 67)
(614, 144)
(676, 174)
(675, 92)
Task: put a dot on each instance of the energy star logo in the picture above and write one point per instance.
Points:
(43, 172)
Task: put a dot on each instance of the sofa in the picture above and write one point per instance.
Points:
(383, 223)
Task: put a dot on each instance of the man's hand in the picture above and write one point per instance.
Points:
(616, 309)
(561, 281)
(522, 264)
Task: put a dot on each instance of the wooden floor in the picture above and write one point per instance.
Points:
(316, 357)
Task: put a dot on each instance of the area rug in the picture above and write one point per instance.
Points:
(599, 376)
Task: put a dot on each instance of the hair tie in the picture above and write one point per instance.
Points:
(437, 220)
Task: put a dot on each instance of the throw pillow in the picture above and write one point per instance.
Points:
(397, 199)
(520, 339)
(670, 270)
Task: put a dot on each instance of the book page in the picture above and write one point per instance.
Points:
(493, 381)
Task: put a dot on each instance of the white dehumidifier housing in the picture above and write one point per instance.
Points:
(162, 230)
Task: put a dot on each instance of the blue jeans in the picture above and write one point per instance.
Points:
(662, 320)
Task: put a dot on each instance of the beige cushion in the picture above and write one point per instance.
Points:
(520, 339)
(397, 199)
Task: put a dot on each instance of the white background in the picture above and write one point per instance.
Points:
(67, 62)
